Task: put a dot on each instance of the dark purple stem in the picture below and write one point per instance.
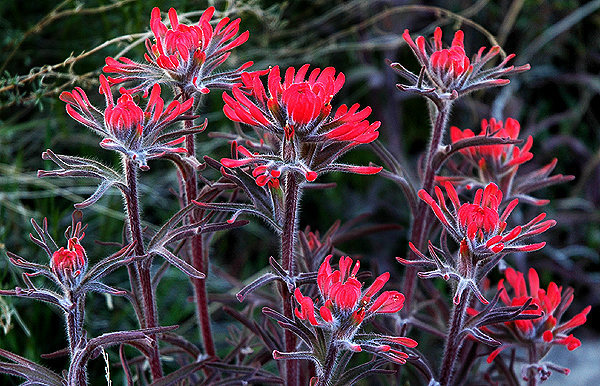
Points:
(74, 319)
(288, 237)
(199, 255)
(454, 341)
(143, 268)
(329, 366)
(531, 372)
(422, 216)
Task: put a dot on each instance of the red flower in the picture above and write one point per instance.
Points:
(189, 53)
(71, 261)
(345, 306)
(298, 130)
(299, 106)
(343, 297)
(450, 71)
(545, 331)
(125, 126)
(500, 158)
(480, 226)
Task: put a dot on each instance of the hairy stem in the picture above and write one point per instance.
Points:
(74, 320)
(421, 220)
(531, 372)
(199, 255)
(288, 237)
(142, 279)
(329, 366)
(453, 341)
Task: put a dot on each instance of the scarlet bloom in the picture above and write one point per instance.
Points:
(126, 128)
(73, 259)
(187, 54)
(296, 111)
(345, 306)
(500, 159)
(542, 332)
(449, 71)
(499, 163)
(480, 227)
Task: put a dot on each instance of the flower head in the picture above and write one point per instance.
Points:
(71, 261)
(481, 226)
(501, 159)
(307, 136)
(499, 163)
(542, 332)
(448, 72)
(480, 229)
(340, 312)
(125, 126)
(344, 302)
(183, 55)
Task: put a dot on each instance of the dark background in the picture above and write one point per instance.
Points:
(553, 102)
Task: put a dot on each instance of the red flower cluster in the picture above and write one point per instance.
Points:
(499, 158)
(480, 227)
(346, 306)
(71, 261)
(543, 331)
(299, 106)
(189, 54)
(342, 295)
(450, 71)
(125, 126)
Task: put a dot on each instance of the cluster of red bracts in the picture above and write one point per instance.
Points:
(480, 224)
(449, 71)
(299, 106)
(125, 126)
(71, 261)
(189, 54)
(544, 331)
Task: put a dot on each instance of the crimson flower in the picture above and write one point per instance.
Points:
(496, 159)
(481, 226)
(448, 72)
(127, 128)
(481, 231)
(344, 306)
(499, 163)
(540, 333)
(185, 56)
(305, 135)
(69, 261)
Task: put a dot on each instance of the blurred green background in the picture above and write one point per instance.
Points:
(45, 46)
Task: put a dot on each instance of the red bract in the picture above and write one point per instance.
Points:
(343, 297)
(296, 110)
(345, 306)
(125, 126)
(449, 71)
(188, 54)
(71, 261)
(500, 158)
(542, 332)
(481, 226)
(499, 163)
(297, 105)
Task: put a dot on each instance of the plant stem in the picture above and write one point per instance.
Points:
(454, 340)
(288, 237)
(198, 252)
(142, 278)
(74, 320)
(422, 216)
(329, 366)
(531, 372)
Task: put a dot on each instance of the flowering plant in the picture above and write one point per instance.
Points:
(301, 319)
